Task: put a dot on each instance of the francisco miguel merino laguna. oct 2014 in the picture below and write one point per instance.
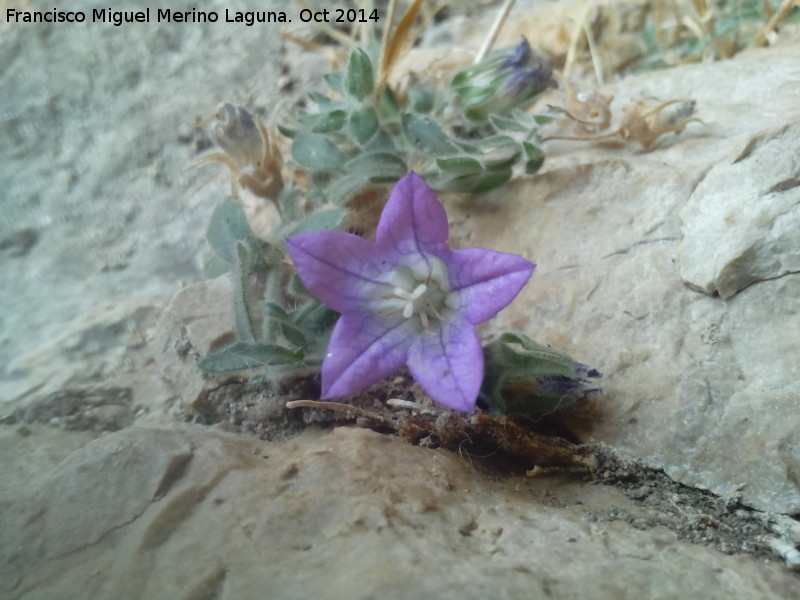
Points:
(119, 17)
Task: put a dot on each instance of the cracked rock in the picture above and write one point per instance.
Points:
(742, 223)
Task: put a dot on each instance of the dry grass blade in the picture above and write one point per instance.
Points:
(763, 35)
(496, 26)
(581, 24)
(394, 44)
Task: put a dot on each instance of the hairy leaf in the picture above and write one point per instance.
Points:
(360, 82)
(324, 219)
(363, 124)
(459, 165)
(248, 356)
(535, 158)
(426, 134)
(228, 226)
(315, 151)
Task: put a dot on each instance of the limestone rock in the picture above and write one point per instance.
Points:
(742, 222)
(703, 387)
(199, 318)
(86, 356)
(349, 514)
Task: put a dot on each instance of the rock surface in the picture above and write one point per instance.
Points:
(741, 223)
(705, 387)
(348, 514)
(674, 271)
(197, 320)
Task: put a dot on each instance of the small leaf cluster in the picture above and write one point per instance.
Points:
(362, 134)
(278, 324)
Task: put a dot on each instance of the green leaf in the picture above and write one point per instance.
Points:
(421, 99)
(319, 181)
(275, 311)
(380, 142)
(481, 182)
(240, 356)
(346, 187)
(288, 132)
(228, 226)
(523, 118)
(329, 122)
(425, 134)
(378, 167)
(318, 221)
(363, 124)
(491, 180)
(334, 81)
(535, 158)
(315, 151)
(504, 124)
(293, 335)
(459, 165)
(324, 102)
(319, 319)
(364, 171)
(521, 356)
(296, 288)
(289, 202)
(243, 299)
(389, 107)
(500, 151)
(359, 75)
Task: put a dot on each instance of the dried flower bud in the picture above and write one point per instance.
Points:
(238, 135)
(503, 81)
(249, 151)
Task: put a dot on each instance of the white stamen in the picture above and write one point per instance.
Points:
(408, 310)
(418, 291)
(420, 288)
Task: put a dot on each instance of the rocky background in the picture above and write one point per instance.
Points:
(675, 272)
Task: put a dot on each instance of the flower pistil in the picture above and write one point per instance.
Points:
(419, 290)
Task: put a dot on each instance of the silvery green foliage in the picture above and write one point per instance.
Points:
(358, 136)
(277, 324)
(526, 378)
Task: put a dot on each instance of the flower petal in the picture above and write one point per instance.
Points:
(449, 366)
(338, 268)
(413, 220)
(362, 351)
(487, 280)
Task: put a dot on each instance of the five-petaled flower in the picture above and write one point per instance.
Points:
(407, 298)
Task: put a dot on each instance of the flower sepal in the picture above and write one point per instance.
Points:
(504, 80)
(526, 378)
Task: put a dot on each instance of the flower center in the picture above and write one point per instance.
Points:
(420, 290)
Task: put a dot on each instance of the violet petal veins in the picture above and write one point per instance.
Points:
(407, 299)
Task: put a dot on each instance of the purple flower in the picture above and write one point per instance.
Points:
(530, 72)
(407, 298)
